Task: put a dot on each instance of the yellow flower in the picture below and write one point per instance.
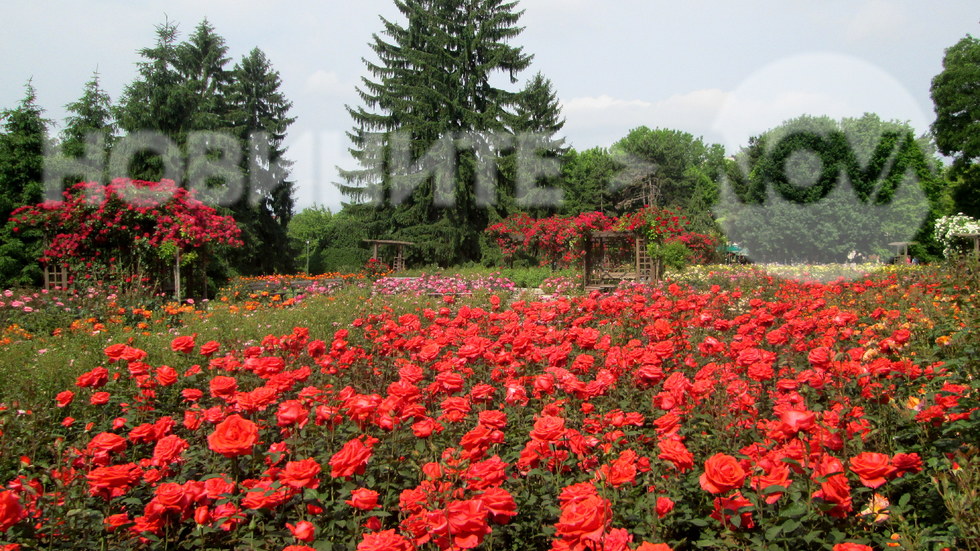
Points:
(877, 506)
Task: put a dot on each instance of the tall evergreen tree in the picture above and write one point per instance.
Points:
(156, 101)
(432, 83)
(201, 62)
(90, 114)
(532, 176)
(260, 118)
(89, 118)
(21, 175)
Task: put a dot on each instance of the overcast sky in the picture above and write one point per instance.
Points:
(721, 70)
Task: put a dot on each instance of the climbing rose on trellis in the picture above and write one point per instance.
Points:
(556, 240)
(123, 227)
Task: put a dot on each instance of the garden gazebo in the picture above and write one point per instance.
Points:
(398, 262)
(611, 257)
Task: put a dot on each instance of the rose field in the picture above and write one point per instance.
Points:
(722, 408)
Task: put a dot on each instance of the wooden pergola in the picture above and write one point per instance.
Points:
(902, 251)
(604, 270)
(398, 263)
(975, 237)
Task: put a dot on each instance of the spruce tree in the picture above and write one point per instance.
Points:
(531, 177)
(22, 144)
(260, 118)
(156, 101)
(432, 85)
(89, 120)
(201, 62)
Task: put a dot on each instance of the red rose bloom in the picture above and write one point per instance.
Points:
(352, 458)
(386, 540)
(584, 519)
(301, 474)
(548, 428)
(209, 348)
(852, 547)
(10, 510)
(676, 452)
(722, 473)
(223, 387)
(874, 469)
(168, 450)
(183, 344)
(729, 508)
(363, 499)
(302, 530)
(234, 436)
(64, 398)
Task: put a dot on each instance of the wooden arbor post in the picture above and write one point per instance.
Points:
(398, 262)
(976, 241)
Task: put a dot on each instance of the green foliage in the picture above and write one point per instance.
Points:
(671, 254)
(586, 179)
(679, 164)
(443, 50)
(814, 189)
(957, 125)
(22, 144)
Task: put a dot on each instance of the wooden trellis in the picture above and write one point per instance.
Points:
(975, 237)
(612, 257)
(398, 262)
(55, 276)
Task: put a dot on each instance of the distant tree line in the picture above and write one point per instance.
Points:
(448, 142)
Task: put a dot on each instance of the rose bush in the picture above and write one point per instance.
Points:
(758, 414)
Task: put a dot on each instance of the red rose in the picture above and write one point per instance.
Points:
(352, 458)
(64, 398)
(907, 463)
(820, 356)
(646, 546)
(874, 469)
(387, 540)
(425, 427)
(113, 481)
(728, 508)
(722, 473)
(292, 412)
(363, 499)
(584, 519)
(664, 505)
(464, 523)
(548, 428)
(234, 436)
(209, 348)
(183, 344)
(99, 398)
(852, 547)
(499, 504)
(301, 474)
(10, 510)
(168, 450)
(676, 452)
(303, 530)
(223, 387)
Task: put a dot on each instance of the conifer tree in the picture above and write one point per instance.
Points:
(260, 119)
(22, 144)
(432, 85)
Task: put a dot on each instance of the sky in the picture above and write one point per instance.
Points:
(724, 71)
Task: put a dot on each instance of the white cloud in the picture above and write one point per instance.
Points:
(323, 82)
(612, 118)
